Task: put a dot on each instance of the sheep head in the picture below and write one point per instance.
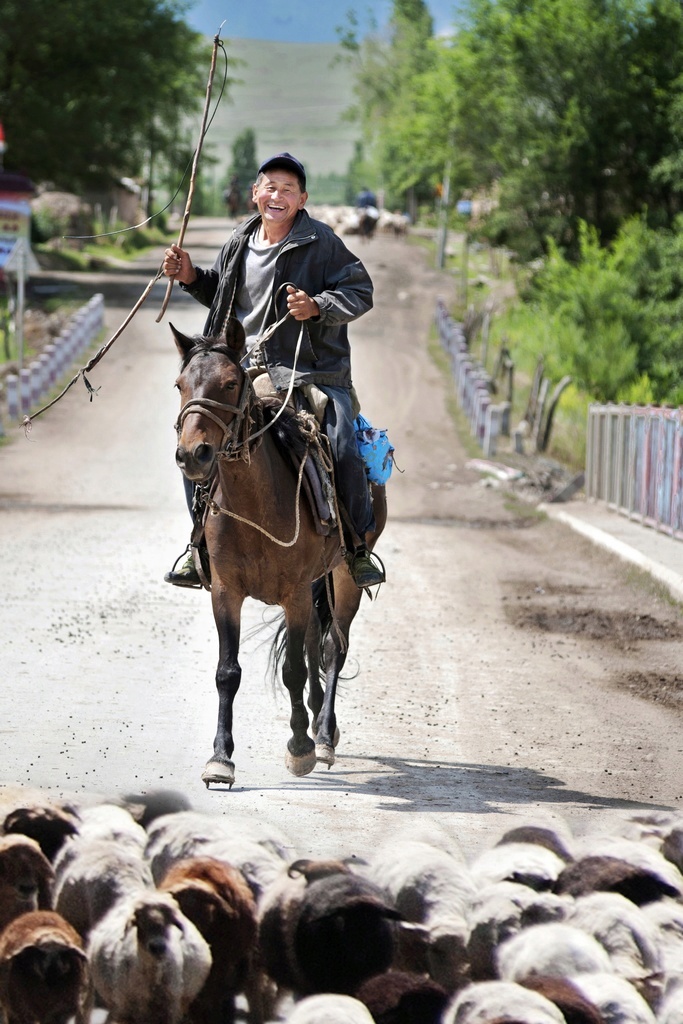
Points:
(26, 878)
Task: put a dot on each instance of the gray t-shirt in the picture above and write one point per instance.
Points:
(255, 285)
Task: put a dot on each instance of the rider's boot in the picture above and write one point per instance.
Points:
(187, 575)
(366, 569)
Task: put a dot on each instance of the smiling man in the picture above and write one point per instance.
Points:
(281, 261)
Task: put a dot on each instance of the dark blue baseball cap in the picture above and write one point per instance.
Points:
(288, 161)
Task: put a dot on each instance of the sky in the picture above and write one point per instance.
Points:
(298, 21)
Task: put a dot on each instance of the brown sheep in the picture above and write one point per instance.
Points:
(324, 929)
(218, 901)
(400, 997)
(26, 878)
(48, 825)
(44, 975)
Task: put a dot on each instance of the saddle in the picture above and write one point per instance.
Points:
(308, 402)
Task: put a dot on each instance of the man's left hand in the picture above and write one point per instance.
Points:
(301, 305)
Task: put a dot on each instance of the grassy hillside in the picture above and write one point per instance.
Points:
(293, 96)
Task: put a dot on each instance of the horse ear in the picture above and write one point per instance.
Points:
(234, 335)
(183, 343)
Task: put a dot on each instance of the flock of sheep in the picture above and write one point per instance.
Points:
(152, 913)
(345, 220)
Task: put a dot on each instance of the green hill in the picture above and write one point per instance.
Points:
(293, 95)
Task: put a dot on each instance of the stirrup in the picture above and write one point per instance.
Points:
(366, 568)
(187, 575)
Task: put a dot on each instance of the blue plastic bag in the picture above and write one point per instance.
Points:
(375, 451)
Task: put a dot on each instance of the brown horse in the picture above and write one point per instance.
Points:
(263, 543)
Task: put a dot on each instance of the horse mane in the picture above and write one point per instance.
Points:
(286, 430)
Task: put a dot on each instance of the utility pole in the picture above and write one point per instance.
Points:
(443, 217)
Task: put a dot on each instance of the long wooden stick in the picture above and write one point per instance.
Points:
(195, 164)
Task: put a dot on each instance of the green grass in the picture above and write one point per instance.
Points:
(293, 96)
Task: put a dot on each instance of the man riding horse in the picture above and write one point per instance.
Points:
(326, 288)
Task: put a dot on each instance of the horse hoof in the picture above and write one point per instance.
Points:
(335, 738)
(302, 765)
(324, 754)
(219, 774)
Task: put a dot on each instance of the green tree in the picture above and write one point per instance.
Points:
(244, 163)
(89, 89)
(611, 317)
(569, 105)
(386, 73)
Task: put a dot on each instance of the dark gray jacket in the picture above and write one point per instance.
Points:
(316, 261)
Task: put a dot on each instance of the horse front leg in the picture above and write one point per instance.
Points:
(347, 598)
(300, 757)
(220, 769)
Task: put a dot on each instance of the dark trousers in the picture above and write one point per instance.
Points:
(351, 479)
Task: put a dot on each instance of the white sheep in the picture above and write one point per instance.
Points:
(258, 851)
(431, 888)
(627, 934)
(329, 1009)
(554, 950)
(500, 911)
(528, 863)
(666, 916)
(615, 998)
(148, 961)
(670, 1009)
(110, 822)
(91, 875)
(486, 1001)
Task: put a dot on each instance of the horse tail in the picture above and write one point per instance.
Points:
(321, 590)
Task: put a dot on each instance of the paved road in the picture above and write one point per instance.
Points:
(467, 707)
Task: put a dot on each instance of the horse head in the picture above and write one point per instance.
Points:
(214, 398)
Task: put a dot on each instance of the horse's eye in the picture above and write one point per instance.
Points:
(231, 387)
(177, 386)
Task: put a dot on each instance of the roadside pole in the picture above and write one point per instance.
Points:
(21, 263)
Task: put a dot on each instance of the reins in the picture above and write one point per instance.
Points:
(232, 449)
(215, 509)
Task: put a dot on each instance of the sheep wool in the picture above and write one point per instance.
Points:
(44, 974)
(148, 961)
(616, 999)
(550, 950)
(486, 1001)
(329, 1009)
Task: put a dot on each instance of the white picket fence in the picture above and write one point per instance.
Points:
(24, 391)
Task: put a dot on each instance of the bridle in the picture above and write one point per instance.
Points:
(249, 410)
(236, 441)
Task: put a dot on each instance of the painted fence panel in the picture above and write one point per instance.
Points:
(24, 392)
(634, 463)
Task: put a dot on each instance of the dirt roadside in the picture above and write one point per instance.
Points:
(501, 672)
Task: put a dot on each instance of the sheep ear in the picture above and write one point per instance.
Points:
(299, 867)
(235, 337)
(183, 343)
